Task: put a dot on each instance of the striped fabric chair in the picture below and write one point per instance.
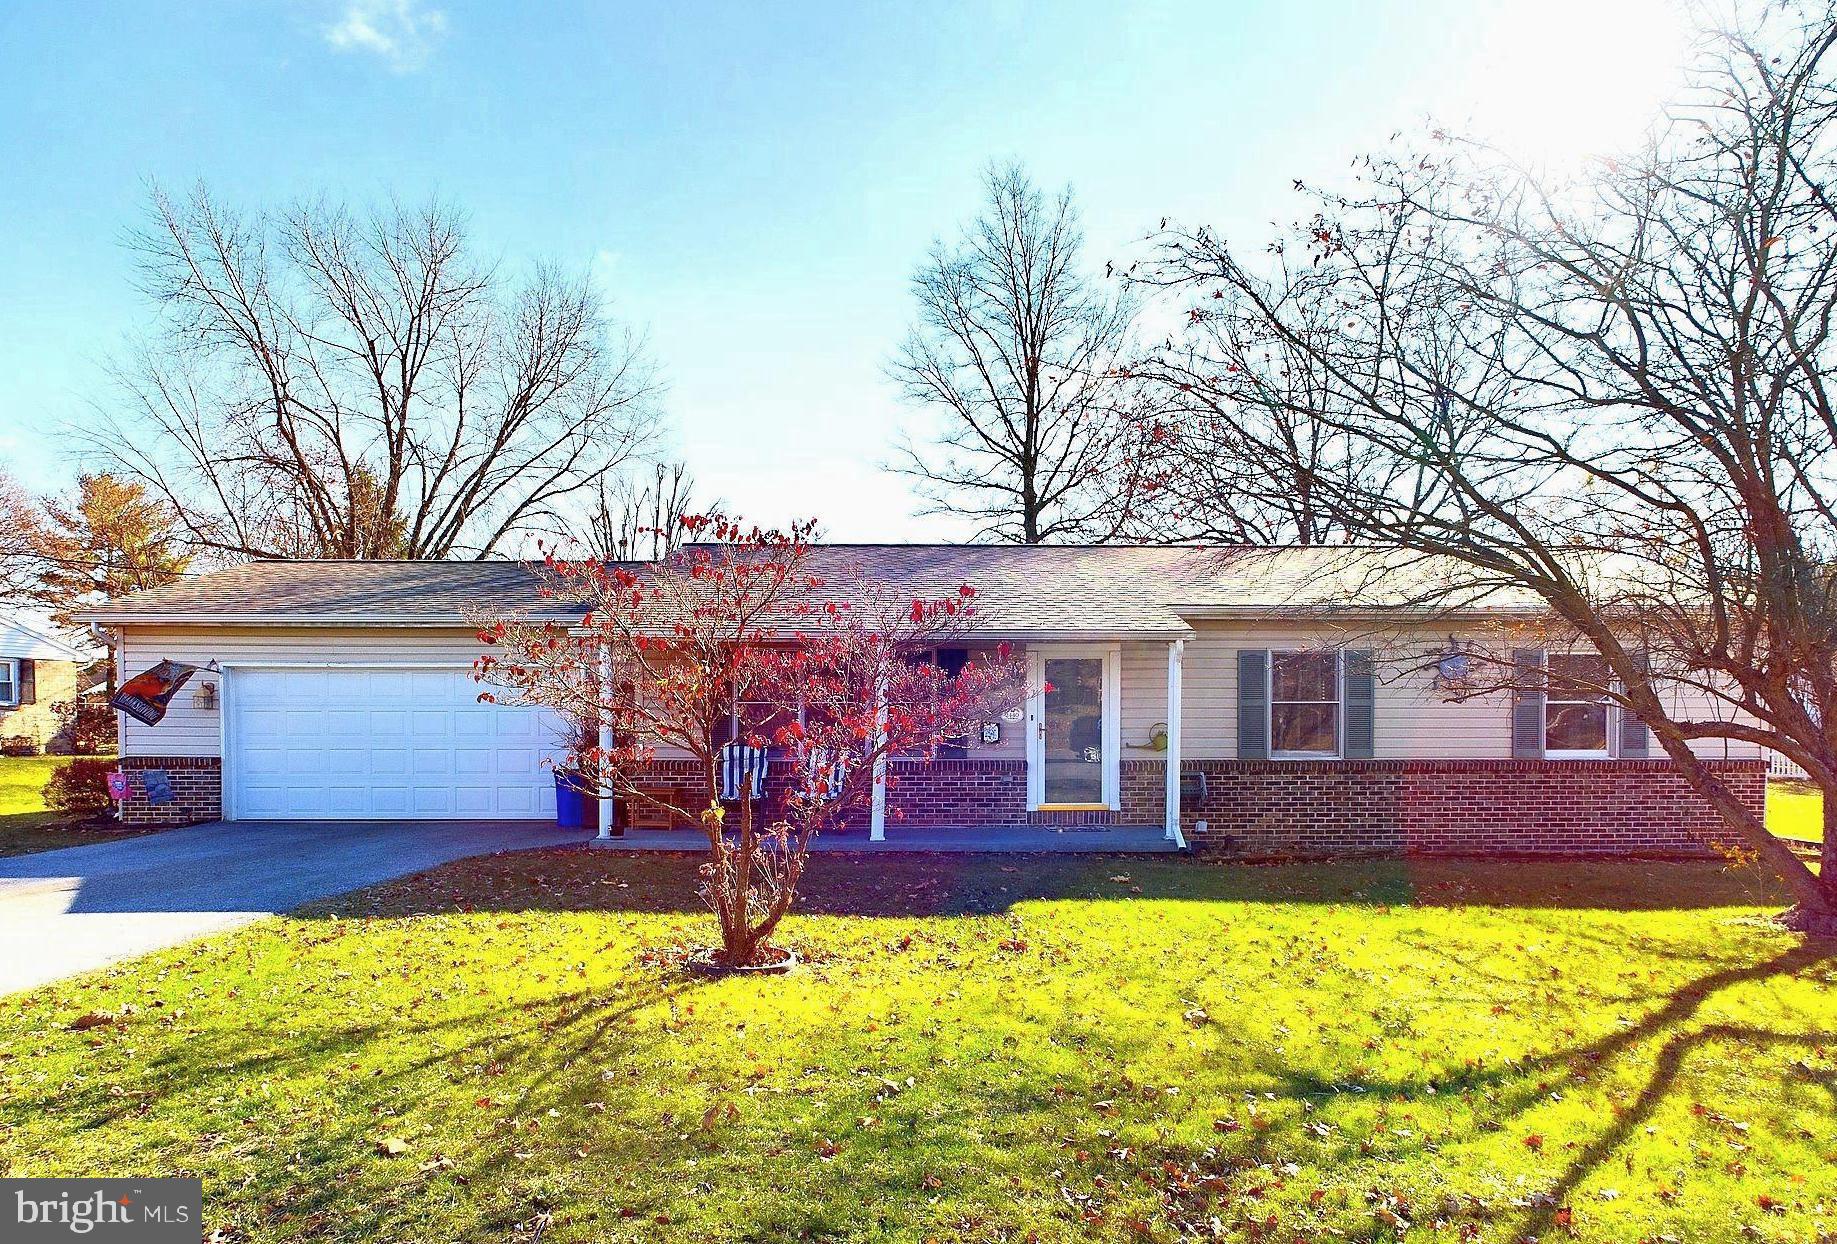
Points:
(743, 766)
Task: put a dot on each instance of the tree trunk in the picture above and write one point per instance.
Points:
(1816, 913)
(788, 895)
(737, 939)
(1827, 854)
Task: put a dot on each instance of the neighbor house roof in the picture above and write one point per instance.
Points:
(19, 638)
(1021, 590)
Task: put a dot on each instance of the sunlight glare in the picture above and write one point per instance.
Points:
(1560, 81)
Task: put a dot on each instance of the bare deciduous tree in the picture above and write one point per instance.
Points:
(327, 383)
(1207, 472)
(1022, 355)
(1610, 393)
(19, 522)
(638, 517)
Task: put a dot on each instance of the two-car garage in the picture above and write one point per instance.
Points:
(381, 744)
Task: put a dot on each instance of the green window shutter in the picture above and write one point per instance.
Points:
(1635, 739)
(1361, 693)
(1527, 703)
(1252, 704)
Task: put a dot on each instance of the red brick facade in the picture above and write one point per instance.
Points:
(197, 790)
(1324, 807)
(1249, 807)
(936, 792)
(957, 792)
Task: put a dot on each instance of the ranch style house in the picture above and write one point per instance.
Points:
(1252, 701)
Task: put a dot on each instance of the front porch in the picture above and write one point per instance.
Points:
(1051, 775)
(969, 839)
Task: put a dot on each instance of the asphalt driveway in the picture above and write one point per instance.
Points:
(70, 910)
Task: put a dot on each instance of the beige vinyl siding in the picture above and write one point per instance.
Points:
(1699, 705)
(1144, 695)
(190, 731)
(1013, 744)
(1410, 719)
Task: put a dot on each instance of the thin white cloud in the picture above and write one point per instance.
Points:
(401, 33)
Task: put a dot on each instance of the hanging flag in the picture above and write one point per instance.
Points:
(145, 696)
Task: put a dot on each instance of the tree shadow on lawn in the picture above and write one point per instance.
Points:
(329, 1181)
(1513, 1087)
(544, 1044)
(532, 1051)
(950, 884)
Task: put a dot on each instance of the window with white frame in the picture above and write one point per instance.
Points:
(1304, 704)
(1577, 712)
(9, 682)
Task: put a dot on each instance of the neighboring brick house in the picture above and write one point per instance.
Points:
(1299, 707)
(37, 671)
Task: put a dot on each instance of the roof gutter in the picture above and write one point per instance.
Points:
(454, 621)
(385, 620)
(1309, 613)
(976, 638)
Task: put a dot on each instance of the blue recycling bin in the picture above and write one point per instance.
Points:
(576, 807)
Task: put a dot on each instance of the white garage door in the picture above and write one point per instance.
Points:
(384, 744)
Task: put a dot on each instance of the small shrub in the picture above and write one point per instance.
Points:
(19, 745)
(88, 724)
(79, 786)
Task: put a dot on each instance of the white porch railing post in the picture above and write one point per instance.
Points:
(605, 774)
(877, 809)
(1175, 651)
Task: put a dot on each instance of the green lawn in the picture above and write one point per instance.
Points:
(1795, 810)
(25, 823)
(979, 1048)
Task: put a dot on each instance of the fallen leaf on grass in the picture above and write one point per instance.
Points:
(392, 1146)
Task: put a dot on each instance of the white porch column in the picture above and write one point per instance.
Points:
(877, 814)
(606, 808)
(1175, 651)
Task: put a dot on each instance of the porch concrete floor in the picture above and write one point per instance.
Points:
(1103, 840)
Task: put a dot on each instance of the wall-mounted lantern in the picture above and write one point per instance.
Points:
(204, 699)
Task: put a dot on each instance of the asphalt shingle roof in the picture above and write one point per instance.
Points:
(1020, 589)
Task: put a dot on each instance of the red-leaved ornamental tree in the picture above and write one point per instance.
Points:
(833, 672)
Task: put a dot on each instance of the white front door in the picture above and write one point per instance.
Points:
(382, 744)
(1074, 732)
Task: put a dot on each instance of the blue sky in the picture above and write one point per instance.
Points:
(751, 182)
